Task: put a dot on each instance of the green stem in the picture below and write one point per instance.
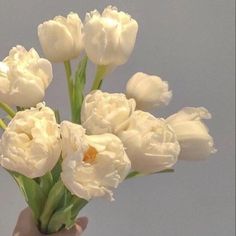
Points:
(80, 81)
(100, 74)
(2, 124)
(57, 115)
(69, 84)
(7, 109)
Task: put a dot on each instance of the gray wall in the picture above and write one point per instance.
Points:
(190, 43)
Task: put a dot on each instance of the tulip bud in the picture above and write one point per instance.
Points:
(24, 77)
(192, 133)
(61, 38)
(150, 143)
(109, 38)
(149, 91)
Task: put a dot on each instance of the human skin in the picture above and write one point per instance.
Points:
(25, 226)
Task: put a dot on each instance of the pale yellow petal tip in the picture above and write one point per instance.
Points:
(41, 104)
(90, 15)
(166, 97)
(214, 150)
(204, 113)
(211, 145)
(196, 113)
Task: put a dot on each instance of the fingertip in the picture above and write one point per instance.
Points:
(24, 216)
(25, 224)
(26, 212)
(82, 223)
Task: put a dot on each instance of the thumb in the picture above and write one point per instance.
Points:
(25, 224)
(82, 223)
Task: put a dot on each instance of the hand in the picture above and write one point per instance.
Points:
(25, 226)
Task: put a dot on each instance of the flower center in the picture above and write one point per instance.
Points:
(90, 155)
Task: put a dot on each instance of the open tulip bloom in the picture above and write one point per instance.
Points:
(111, 137)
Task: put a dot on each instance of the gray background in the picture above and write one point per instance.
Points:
(190, 43)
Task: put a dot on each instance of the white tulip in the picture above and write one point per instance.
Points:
(24, 77)
(192, 133)
(94, 168)
(109, 38)
(31, 143)
(149, 91)
(4, 82)
(61, 38)
(105, 112)
(150, 143)
(72, 138)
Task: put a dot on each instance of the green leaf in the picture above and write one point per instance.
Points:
(133, 174)
(55, 196)
(46, 183)
(67, 198)
(79, 84)
(34, 195)
(66, 215)
(60, 219)
(165, 171)
(78, 204)
(56, 171)
(138, 174)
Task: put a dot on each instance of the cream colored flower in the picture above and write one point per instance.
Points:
(109, 38)
(150, 143)
(192, 133)
(4, 82)
(95, 166)
(24, 77)
(61, 38)
(105, 112)
(73, 137)
(31, 143)
(149, 91)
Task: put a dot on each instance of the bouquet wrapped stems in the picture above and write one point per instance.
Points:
(53, 206)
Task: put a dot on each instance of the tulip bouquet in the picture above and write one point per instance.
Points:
(62, 165)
